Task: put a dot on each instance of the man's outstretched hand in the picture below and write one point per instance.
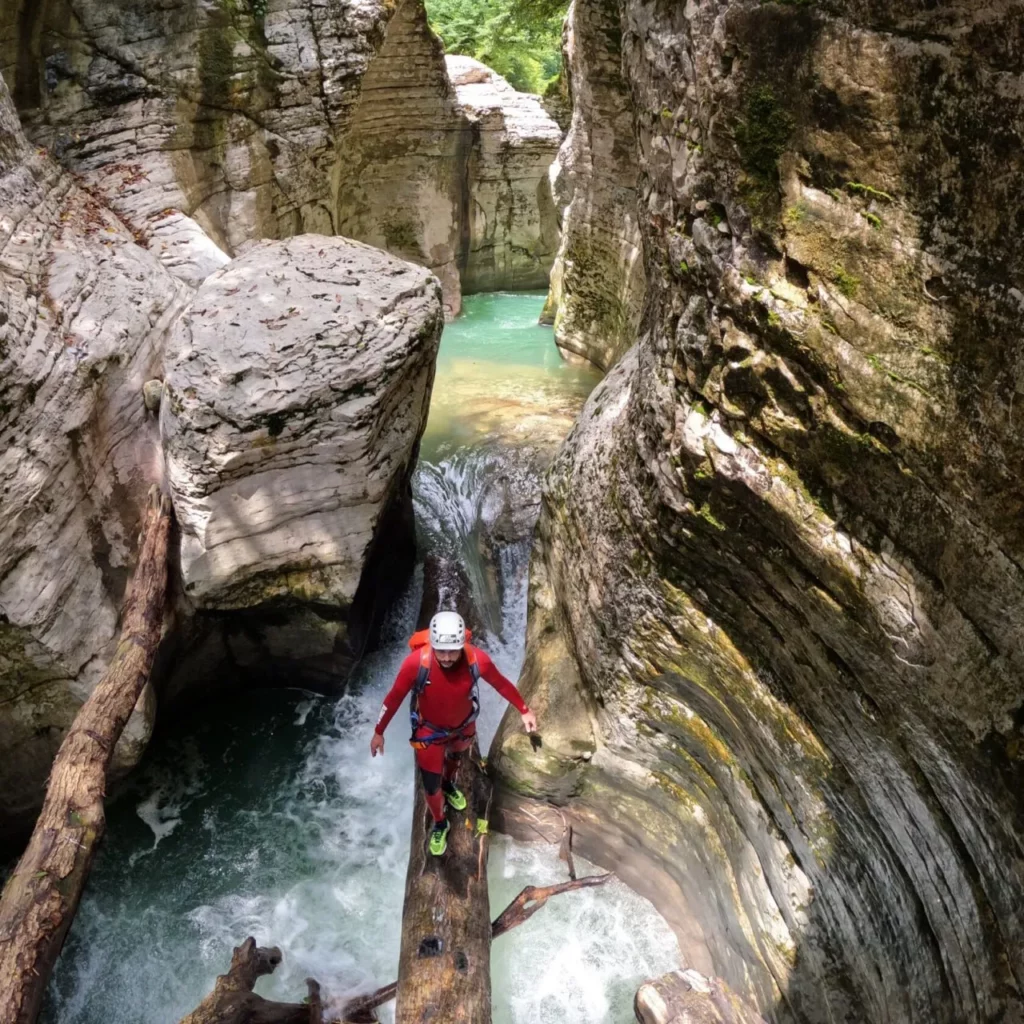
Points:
(376, 745)
(529, 721)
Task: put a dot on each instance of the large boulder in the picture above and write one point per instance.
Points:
(84, 314)
(597, 281)
(296, 390)
(513, 227)
(775, 638)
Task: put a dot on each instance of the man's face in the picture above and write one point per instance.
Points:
(447, 658)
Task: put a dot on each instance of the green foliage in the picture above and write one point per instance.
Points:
(868, 192)
(796, 214)
(873, 219)
(709, 517)
(762, 136)
(846, 282)
(520, 39)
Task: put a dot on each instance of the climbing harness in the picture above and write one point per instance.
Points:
(437, 734)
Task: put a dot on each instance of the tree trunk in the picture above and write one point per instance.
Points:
(444, 970)
(41, 897)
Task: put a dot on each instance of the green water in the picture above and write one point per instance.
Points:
(501, 379)
(267, 816)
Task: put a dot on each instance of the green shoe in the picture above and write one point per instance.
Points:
(455, 797)
(439, 837)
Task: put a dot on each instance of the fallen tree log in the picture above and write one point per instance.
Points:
(444, 970)
(520, 910)
(41, 897)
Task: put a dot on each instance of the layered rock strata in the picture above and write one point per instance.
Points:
(512, 230)
(208, 125)
(597, 283)
(399, 180)
(85, 311)
(296, 390)
(775, 633)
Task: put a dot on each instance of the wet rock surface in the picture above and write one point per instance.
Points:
(687, 997)
(775, 638)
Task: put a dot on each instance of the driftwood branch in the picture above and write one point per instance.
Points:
(233, 1001)
(521, 909)
(41, 897)
(533, 897)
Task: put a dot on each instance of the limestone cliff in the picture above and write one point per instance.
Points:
(597, 283)
(775, 635)
(84, 311)
(259, 393)
(208, 125)
(512, 229)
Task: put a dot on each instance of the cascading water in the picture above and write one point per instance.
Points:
(268, 817)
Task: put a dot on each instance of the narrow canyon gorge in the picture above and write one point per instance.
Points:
(774, 625)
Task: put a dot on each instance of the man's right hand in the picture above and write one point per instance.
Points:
(377, 745)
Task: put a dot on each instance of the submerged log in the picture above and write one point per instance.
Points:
(41, 897)
(444, 969)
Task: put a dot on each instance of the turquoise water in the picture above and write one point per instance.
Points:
(268, 817)
(501, 379)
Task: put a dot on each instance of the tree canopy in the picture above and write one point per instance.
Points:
(520, 39)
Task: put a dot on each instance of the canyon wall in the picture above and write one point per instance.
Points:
(85, 311)
(511, 233)
(151, 150)
(775, 640)
(597, 282)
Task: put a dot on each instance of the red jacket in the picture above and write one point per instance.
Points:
(445, 700)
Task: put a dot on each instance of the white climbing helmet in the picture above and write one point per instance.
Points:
(447, 632)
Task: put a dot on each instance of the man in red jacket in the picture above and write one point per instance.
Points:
(442, 675)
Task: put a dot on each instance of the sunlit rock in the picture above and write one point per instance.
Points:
(512, 229)
(208, 125)
(83, 314)
(296, 389)
(597, 284)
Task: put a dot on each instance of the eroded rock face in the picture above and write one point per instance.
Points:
(84, 314)
(295, 394)
(208, 125)
(597, 283)
(775, 641)
(512, 225)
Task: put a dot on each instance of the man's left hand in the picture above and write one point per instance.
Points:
(529, 721)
